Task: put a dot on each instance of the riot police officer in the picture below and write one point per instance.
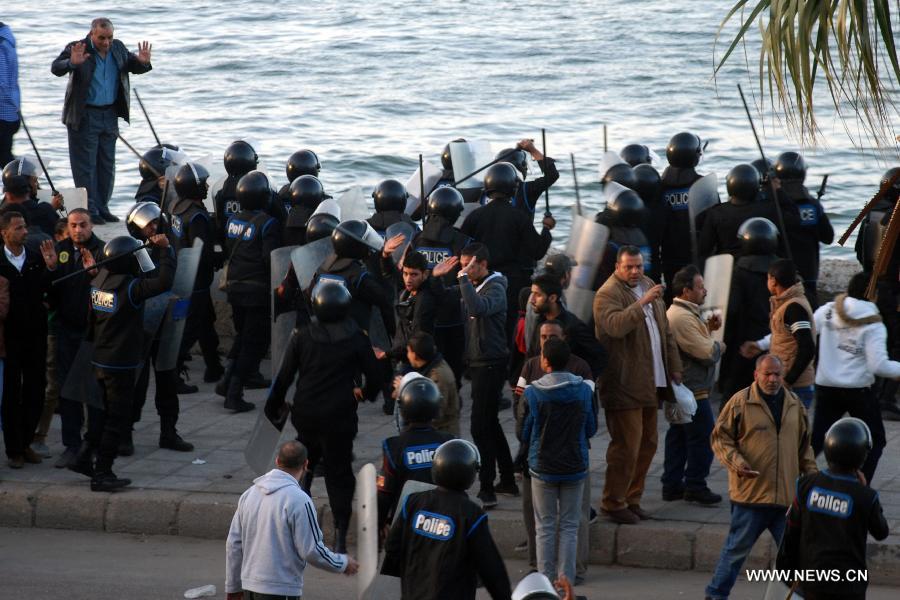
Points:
(408, 456)
(390, 203)
(300, 163)
(623, 214)
(306, 193)
(440, 545)
(648, 185)
(636, 154)
(683, 153)
(252, 236)
(326, 358)
(20, 186)
(190, 221)
(529, 192)
(614, 169)
(447, 177)
(152, 167)
(240, 158)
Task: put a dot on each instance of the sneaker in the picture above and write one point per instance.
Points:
(108, 482)
(32, 457)
(488, 499)
(671, 496)
(507, 489)
(622, 516)
(41, 449)
(66, 458)
(593, 517)
(640, 513)
(704, 496)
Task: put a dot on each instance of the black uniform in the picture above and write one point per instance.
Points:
(295, 226)
(148, 191)
(720, 224)
(380, 221)
(440, 546)
(117, 301)
(414, 313)
(620, 236)
(406, 457)
(226, 205)
(827, 527)
(675, 244)
(190, 221)
(327, 359)
(653, 225)
(529, 193)
(807, 226)
(367, 289)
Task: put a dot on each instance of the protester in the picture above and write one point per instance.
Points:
(423, 357)
(4, 311)
(10, 100)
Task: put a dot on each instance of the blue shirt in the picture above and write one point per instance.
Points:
(105, 82)
(9, 76)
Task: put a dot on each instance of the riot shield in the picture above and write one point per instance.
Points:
(328, 206)
(378, 334)
(155, 310)
(307, 259)
(408, 232)
(260, 450)
(703, 194)
(467, 157)
(366, 528)
(173, 326)
(72, 197)
(587, 244)
(214, 188)
(353, 205)
(717, 279)
(283, 324)
(468, 208)
(168, 202)
(413, 186)
(609, 160)
(874, 234)
(81, 384)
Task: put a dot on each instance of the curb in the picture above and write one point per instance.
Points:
(673, 545)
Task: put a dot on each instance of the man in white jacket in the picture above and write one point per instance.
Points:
(852, 352)
(275, 533)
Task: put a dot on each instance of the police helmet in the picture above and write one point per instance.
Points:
(419, 401)
(355, 239)
(893, 193)
(130, 260)
(320, 226)
(253, 191)
(759, 237)
(626, 205)
(445, 202)
(647, 182)
(763, 167)
(154, 163)
(18, 175)
(190, 181)
(446, 156)
(790, 166)
(517, 158)
(330, 301)
(501, 181)
(622, 174)
(636, 154)
(743, 184)
(390, 195)
(684, 150)
(302, 162)
(848, 443)
(240, 158)
(307, 191)
(139, 216)
(455, 465)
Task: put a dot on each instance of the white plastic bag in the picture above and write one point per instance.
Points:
(687, 404)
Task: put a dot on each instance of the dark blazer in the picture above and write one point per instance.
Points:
(81, 75)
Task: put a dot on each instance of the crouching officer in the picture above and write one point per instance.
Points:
(832, 514)
(408, 456)
(441, 545)
(118, 293)
(326, 358)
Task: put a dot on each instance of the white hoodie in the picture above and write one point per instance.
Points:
(852, 344)
(273, 534)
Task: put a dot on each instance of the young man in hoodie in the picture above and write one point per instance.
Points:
(852, 352)
(559, 422)
(274, 534)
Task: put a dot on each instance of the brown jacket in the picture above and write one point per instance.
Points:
(4, 310)
(441, 374)
(745, 435)
(783, 344)
(627, 381)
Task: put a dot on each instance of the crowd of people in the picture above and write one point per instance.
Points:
(427, 293)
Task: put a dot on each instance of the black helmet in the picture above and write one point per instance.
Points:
(626, 205)
(190, 182)
(647, 182)
(684, 150)
(302, 162)
(848, 443)
(355, 239)
(501, 181)
(893, 193)
(790, 166)
(320, 225)
(131, 260)
(153, 160)
(455, 465)
(446, 157)
(330, 301)
(390, 195)
(743, 184)
(636, 154)
(253, 191)
(759, 237)
(763, 167)
(240, 158)
(307, 190)
(622, 174)
(419, 401)
(139, 216)
(445, 202)
(517, 158)
(17, 175)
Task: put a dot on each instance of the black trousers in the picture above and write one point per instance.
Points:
(248, 595)
(253, 332)
(165, 397)
(200, 326)
(832, 403)
(105, 433)
(24, 384)
(7, 130)
(487, 386)
(335, 448)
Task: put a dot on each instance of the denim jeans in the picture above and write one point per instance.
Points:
(557, 501)
(806, 394)
(688, 453)
(747, 524)
(92, 156)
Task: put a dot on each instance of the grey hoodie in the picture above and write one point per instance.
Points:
(273, 535)
(485, 310)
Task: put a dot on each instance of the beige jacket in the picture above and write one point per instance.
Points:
(443, 377)
(745, 435)
(627, 381)
(698, 350)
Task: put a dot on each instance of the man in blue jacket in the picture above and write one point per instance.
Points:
(559, 422)
(9, 92)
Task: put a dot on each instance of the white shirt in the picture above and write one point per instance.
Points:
(17, 261)
(659, 369)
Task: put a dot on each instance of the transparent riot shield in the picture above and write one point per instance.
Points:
(717, 279)
(173, 325)
(366, 528)
(283, 324)
(72, 197)
(703, 194)
(408, 232)
(587, 244)
(432, 175)
(353, 205)
(307, 259)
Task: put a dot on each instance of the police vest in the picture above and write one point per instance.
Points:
(295, 226)
(350, 274)
(248, 267)
(183, 214)
(676, 199)
(118, 322)
(410, 453)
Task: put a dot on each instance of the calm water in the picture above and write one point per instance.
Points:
(371, 87)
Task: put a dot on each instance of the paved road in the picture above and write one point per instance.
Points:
(48, 564)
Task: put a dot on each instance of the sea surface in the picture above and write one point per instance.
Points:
(371, 86)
